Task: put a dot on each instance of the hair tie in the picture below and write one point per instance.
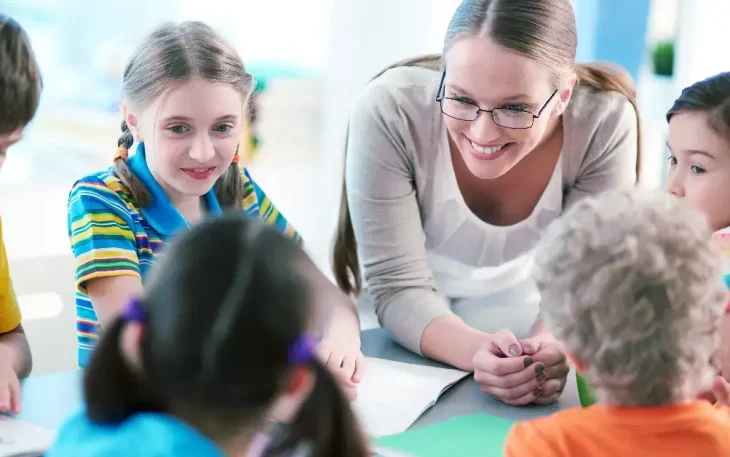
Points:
(301, 352)
(121, 153)
(236, 158)
(134, 312)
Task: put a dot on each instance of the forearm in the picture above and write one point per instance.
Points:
(448, 339)
(344, 320)
(14, 349)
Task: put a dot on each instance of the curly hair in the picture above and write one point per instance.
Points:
(631, 284)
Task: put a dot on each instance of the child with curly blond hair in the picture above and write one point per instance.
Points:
(631, 285)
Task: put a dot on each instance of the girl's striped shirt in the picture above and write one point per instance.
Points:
(112, 235)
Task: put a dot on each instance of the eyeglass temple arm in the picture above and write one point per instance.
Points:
(545, 105)
(440, 97)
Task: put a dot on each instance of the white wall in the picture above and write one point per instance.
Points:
(365, 37)
(701, 49)
(291, 31)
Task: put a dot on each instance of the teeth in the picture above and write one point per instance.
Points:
(487, 150)
(199, 170)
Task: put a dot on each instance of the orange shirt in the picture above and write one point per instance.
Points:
(683, 430)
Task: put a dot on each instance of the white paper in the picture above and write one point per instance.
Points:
(17, 437)
(385, 452)
(393, 395)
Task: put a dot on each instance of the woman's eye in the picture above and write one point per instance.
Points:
(466, 100)
(672, 160)
(179, 129)
(515, 107)
(224, 128)
(696, 169)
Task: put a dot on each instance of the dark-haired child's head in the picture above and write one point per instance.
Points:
(699, 143)
(630, 283)
(20, 83)
(219, 340)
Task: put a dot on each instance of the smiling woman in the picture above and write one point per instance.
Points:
(455, 165)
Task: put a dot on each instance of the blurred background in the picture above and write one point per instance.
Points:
(310, 59)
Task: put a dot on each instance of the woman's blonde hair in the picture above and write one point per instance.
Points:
(631, 284)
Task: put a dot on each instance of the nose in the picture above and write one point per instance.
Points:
(484, 129)
(202, 150)
(675, 183)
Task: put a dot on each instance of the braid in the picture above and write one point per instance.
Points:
(126, 139)
(121, 169)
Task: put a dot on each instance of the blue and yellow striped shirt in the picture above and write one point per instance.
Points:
(112, 235)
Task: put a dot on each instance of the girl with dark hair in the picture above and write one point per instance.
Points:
(699, 167)
(215, 358)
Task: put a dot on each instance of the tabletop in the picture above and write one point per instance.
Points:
(49, 400)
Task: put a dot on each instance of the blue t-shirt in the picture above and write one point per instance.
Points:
(142, 435)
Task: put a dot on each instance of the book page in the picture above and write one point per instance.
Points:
(17, 437)
(393, 395)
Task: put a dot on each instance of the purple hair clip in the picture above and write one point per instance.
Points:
(302, 350)
(134, 312)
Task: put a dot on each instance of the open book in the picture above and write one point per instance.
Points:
(393, 395)
(17, 437)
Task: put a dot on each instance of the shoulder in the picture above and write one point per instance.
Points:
(600, 129)
(397, 119)
(144, 434)
(593, 110)
(101, 190)
(251, 193)
(399, 92)
(548, 436)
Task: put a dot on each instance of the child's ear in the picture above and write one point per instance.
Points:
(579, 366)
(132, 123)
(129, 343)
(297, 390)
(301, 382)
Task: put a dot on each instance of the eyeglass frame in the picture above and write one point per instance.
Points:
(440, 98)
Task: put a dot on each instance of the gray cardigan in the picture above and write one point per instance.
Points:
(396, 131)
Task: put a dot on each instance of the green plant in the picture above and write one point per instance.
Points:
(663, 58)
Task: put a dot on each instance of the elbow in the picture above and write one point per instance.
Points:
(26, 356)
(27, 365)
(16, 344)
(406, 312)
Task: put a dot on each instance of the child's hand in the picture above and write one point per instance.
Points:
(346, 362)
(9, 389)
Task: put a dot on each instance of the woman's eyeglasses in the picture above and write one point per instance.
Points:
(465, 110)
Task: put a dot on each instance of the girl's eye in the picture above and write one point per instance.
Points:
(223, 128)
(696, 169)
(179, 129)
(672, 160)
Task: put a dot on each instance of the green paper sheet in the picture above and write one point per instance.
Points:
(585, 393)
(478, 435)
